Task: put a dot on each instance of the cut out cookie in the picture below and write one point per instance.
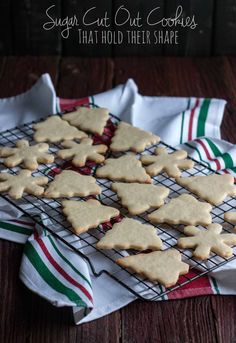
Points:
(164, 267)
(207, 241)
(170, 163)
(131, 234)
(26, 154)
(85, 215)
(22, 182)
(54, 129)
(82, 152)
(231, 218)
(70, 183)
(125, 168)
(183, 210)
(128, 137)
(213, 188)
(88, 119)
(138, 198)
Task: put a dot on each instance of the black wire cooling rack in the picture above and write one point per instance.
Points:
(47, 213)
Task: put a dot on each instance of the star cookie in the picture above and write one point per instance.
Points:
(138, 198)
(70, 183)
(85, 215)
(170, 163)
(164, 267)
(184, 209)
(82, 152)
(131, 234)
(54, 129)
(22, 182)
(26, 154)
(213, 188)
(128, 137)
(207, 241)
(88, 119)
(125, 168)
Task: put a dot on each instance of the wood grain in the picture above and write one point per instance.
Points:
(80, 77)
(187, 320)
(19, 74)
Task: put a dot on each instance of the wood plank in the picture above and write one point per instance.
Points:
(105, 329)
(192, 42)
(80, 77)
(19, 74)
(229, 122)
(179, 321)
(225, 28)
(178, 77)
(224, 309)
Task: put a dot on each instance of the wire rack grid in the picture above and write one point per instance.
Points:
(47, 213)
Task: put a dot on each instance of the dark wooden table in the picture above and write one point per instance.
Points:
(27, 318)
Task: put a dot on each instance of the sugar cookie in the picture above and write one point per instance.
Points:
(22, 182)
(128, 137)
(70, 183)
(54, 129)
(184, 209)
(82, 152)
(88, 119)
(230, 217)
(125, 168)
(206, 241)
(85, 215)
(170, 163)
(27, 154)
(164, 267)
(131, 234)
(213, 188)
(138, 198)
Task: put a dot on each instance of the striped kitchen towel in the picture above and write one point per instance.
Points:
(55, 272)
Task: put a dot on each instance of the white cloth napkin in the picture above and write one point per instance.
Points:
(176, 120)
